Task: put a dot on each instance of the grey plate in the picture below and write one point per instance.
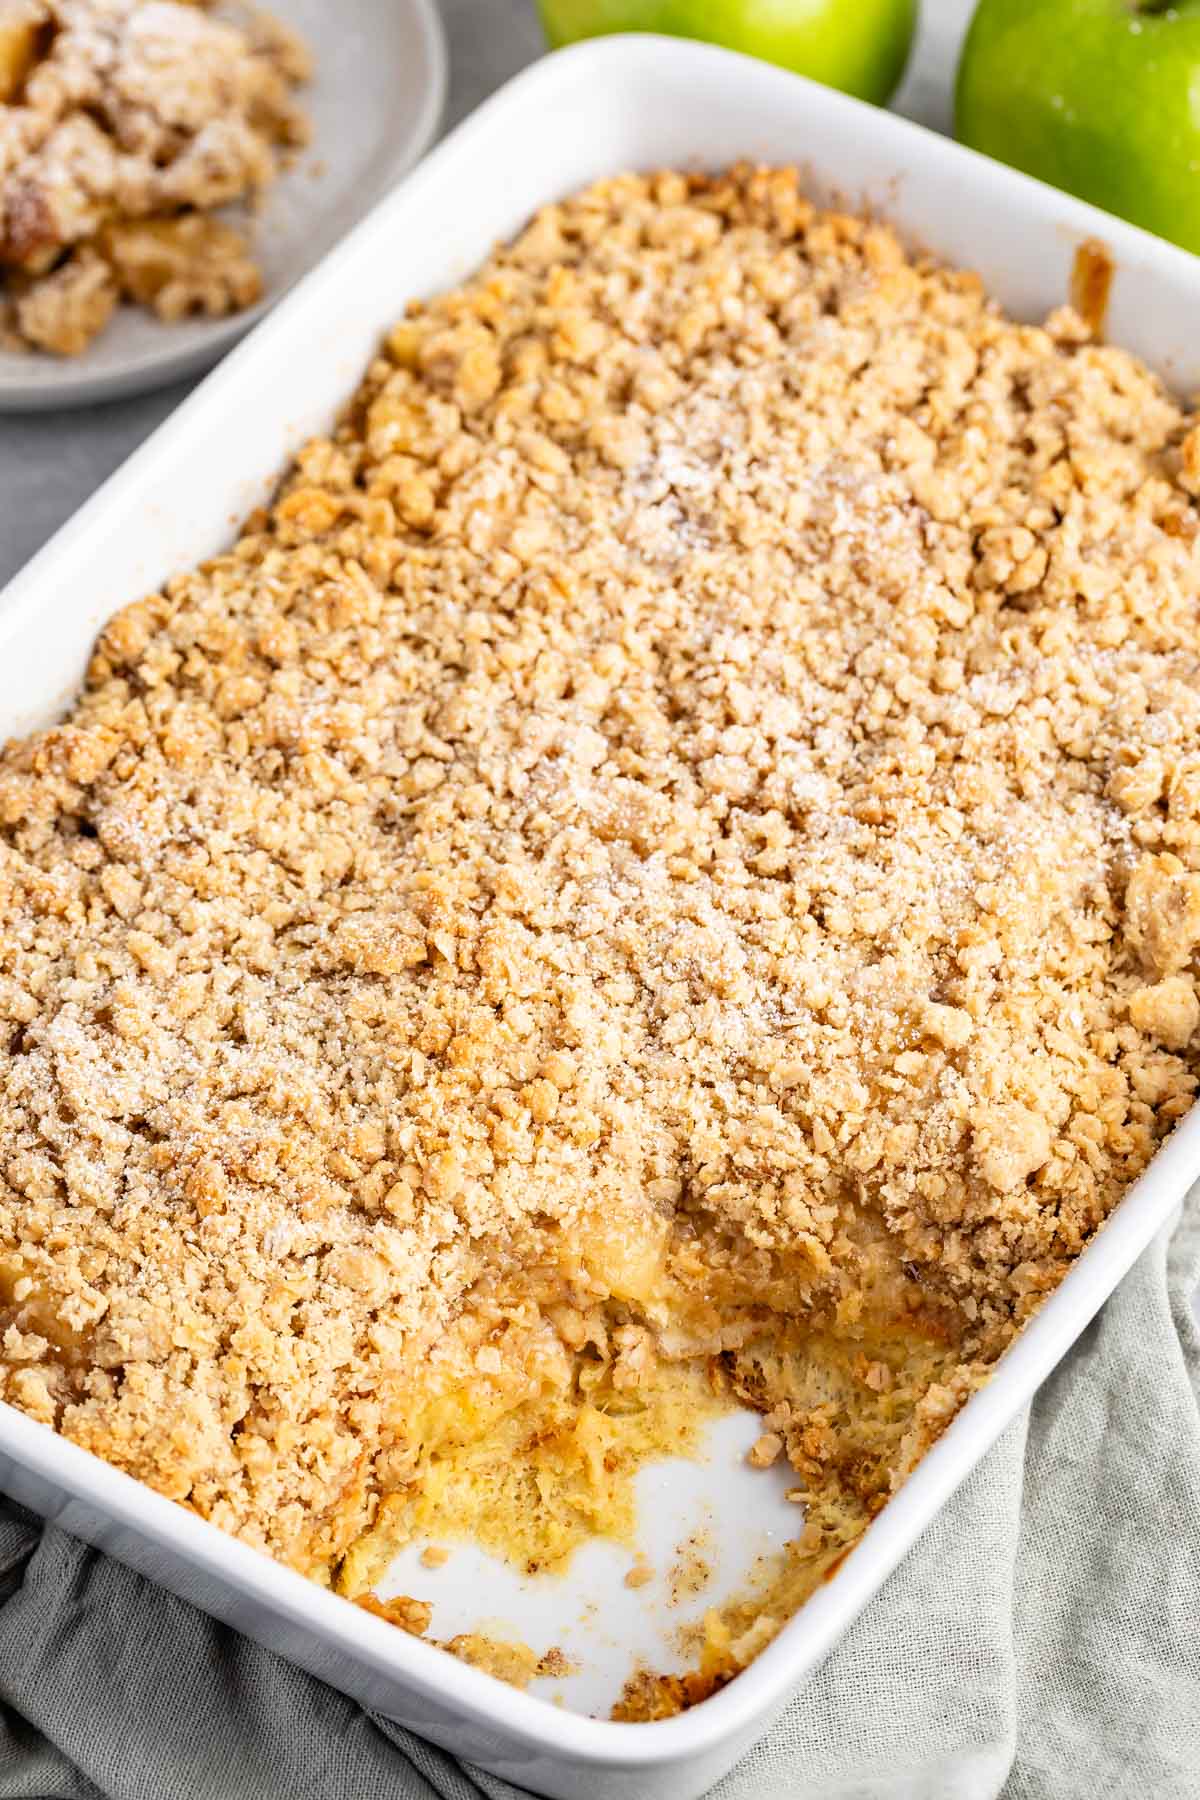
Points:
(375, 102)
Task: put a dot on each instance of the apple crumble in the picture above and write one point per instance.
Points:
(123, 123)
(661, 873)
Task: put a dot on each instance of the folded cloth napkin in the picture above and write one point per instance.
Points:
(1042, 1642)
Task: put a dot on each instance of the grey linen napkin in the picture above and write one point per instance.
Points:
(1042, 1642)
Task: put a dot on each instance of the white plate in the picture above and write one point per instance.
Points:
(375, 101)
(604, 106)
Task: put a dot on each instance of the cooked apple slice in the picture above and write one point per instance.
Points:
(18, 49)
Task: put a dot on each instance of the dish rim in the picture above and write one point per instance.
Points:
(750, 1700)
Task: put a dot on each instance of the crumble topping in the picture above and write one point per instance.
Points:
(122, 122)
(674, 839)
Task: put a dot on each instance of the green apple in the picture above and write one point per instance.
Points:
(1101, 97)
(860, 46)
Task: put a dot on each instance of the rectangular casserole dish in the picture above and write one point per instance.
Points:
(609, 105)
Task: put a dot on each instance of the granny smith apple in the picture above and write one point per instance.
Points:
(1101, 97)
(860, 46)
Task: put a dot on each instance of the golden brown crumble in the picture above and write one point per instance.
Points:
(671, 846)
(513, 1662)
(413, 1616)
(122, 123)
(647, 1696)
(765, 1450)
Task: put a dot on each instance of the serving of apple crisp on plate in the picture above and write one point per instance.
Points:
(173, 163)
(125, 124)
(660, 874)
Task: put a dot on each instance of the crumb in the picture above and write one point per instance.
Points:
(65, 310)
(765, 1450)
(1168, 1011)
(434, 1556)
(189, 264)
(647, 1696)
(511, 1662)
(413, 1616)
(514, 1663)
(692, 1571)
(555, 1664)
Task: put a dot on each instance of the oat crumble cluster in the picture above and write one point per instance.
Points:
(674, 842)
(123, 123)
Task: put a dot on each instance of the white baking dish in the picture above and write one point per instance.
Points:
(608, 105)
